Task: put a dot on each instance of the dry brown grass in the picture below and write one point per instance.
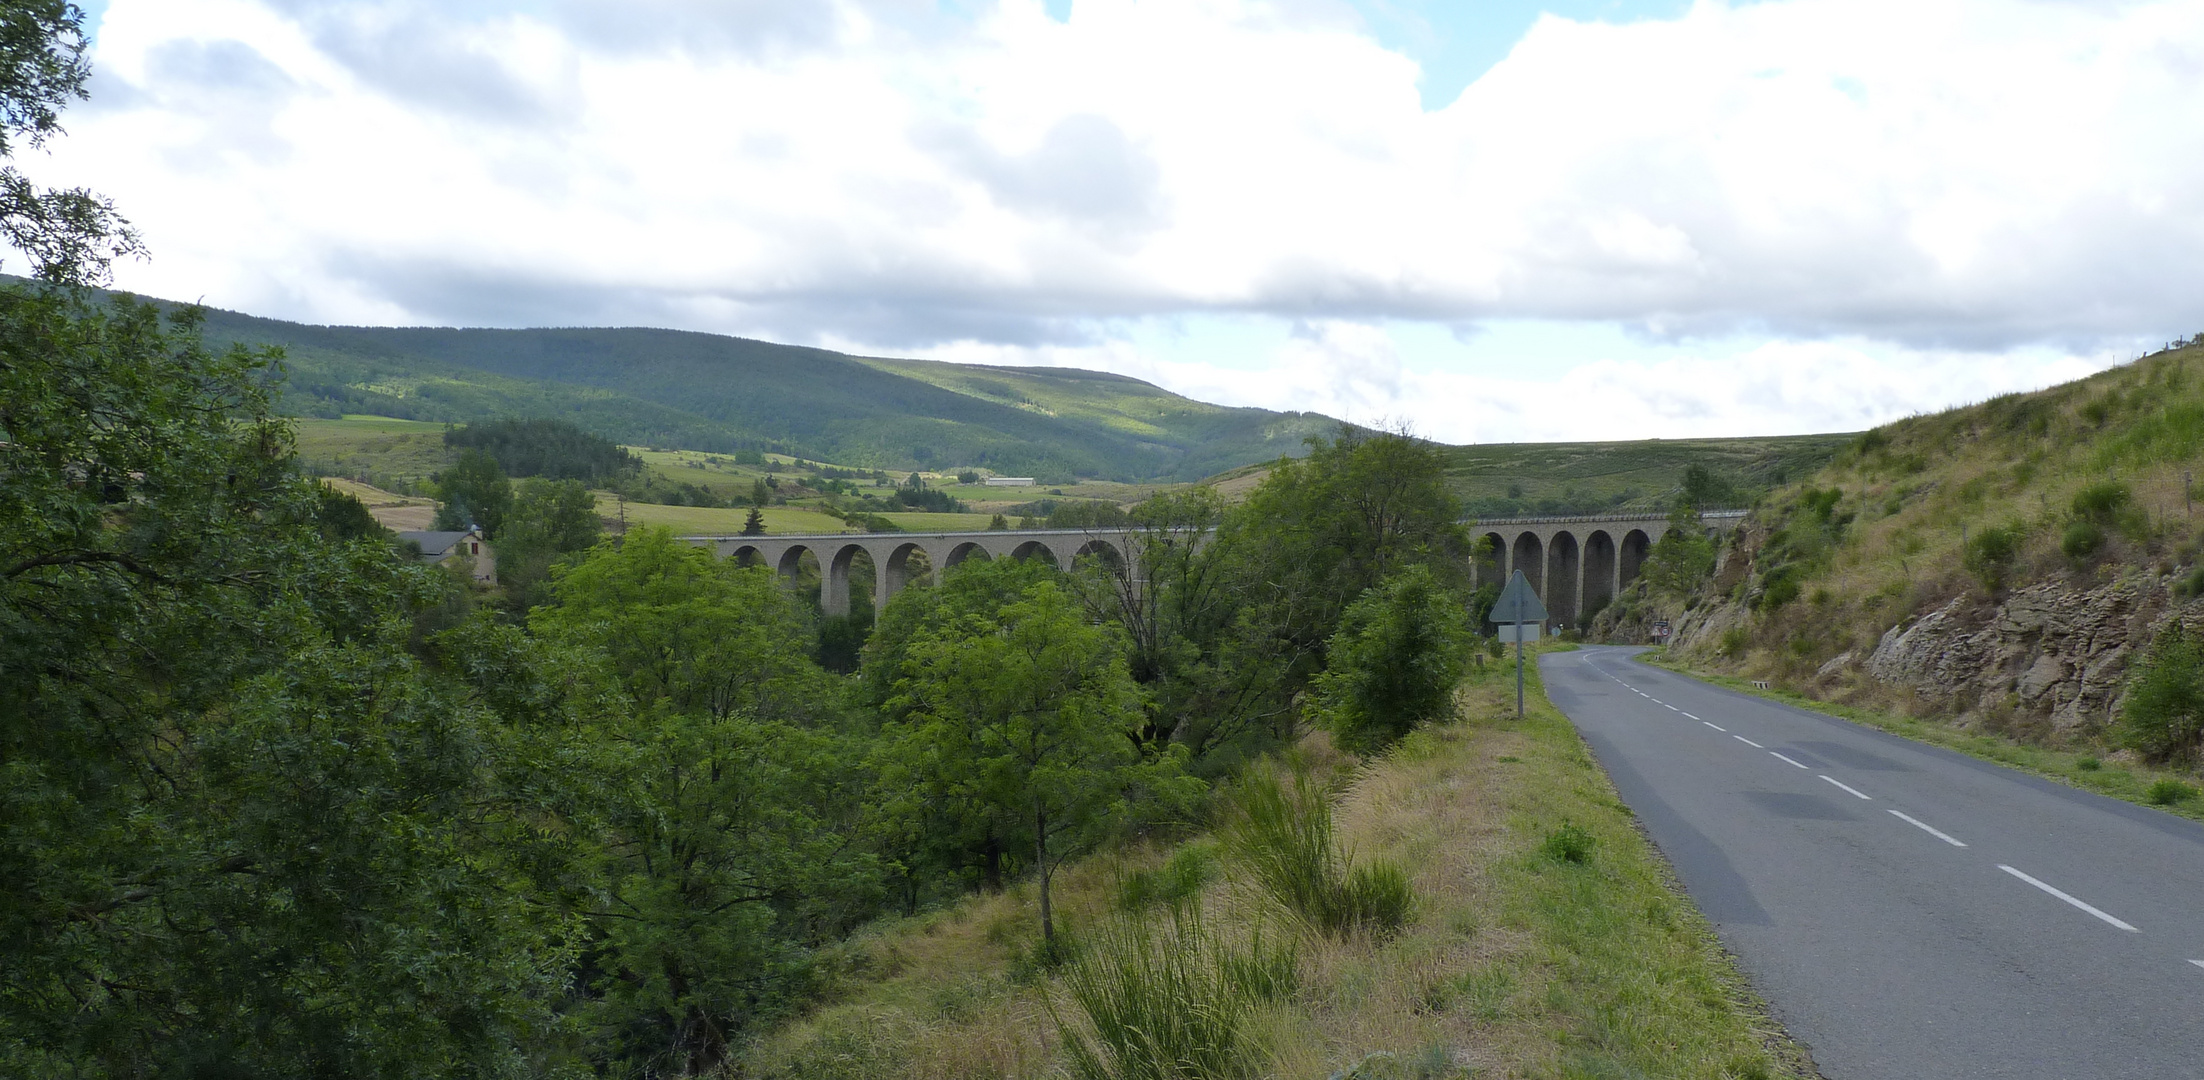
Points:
(1513, 963)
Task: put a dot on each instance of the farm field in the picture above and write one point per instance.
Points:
(388, 452)
(715, 521)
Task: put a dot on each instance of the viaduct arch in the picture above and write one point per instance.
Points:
(1577, 564)
(898, 559)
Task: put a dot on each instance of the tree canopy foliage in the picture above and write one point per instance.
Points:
(549, 448)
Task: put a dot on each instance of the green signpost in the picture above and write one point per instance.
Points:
(1518, 605)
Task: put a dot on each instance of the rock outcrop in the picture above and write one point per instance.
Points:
(2050, 649)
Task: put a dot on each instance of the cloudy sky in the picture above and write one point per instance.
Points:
(1493, 220)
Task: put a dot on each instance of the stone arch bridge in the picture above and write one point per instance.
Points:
(1577, 564)
(900, 558)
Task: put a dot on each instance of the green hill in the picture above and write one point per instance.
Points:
(2006, 565)
(710, 392)
(1513, 479)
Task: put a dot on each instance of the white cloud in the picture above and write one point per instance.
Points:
(1926, 178)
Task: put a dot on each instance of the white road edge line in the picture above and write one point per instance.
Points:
(1785, 760)
(1748, 742)
(1714, 725)
(1856, 793)
(1928, 828)
(2077, 903)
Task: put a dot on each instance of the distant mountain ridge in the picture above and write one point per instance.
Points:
(700, 391)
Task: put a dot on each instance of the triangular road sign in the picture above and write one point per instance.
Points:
(1517, 603)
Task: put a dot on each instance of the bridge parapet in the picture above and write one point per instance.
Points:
(900, 558)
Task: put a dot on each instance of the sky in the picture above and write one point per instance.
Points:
(1501, 220)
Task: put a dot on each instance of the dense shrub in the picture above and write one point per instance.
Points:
(2163, 717)
(1394, 662)
(2082, 538)
(1990, 554)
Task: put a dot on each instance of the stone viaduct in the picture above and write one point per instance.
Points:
(1576, 564)
(899, 558)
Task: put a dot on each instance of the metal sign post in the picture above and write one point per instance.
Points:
(1518, 605)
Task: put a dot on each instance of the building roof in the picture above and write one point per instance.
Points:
(435, 544)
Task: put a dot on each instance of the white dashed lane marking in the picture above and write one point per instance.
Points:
(1714, 725)
(1748, 742)
(1857, 793)
(1785, 760)
(2069, 899)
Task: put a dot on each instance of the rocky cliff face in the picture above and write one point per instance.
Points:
(2048, 650)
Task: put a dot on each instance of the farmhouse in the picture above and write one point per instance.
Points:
(467, 544)
(1009, 481)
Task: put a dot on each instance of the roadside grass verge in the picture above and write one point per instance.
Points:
(2090, 768)
(1521, 955)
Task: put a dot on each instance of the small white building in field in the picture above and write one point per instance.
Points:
(468, 544)
(1008, 481)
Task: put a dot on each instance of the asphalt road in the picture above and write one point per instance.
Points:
(1910, 913)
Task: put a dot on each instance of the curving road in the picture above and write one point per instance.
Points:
(1910, 913)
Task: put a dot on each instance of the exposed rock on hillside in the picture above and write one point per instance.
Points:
(2050, 652)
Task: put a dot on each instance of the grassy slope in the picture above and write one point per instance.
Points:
(1517, 479)
(1515, 963)
(1913, 488)
(1588, 477)
(711, 392)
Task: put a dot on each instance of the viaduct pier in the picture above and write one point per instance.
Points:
(1577, 564)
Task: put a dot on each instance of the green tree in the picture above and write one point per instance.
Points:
(343, 517)
(1394, 663)
(754, 523)
(734, 848)
(549, 520)
(1027, 714)
(2163, 715)
(237, 824)
(473, 491)
(71, 235)
(1683, 557)
(760, 495)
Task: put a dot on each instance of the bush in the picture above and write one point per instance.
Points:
(1284, 837)
(2163, 718)
(1990, 554)
(1168, 1002)
(2168, 792)
(2101, 502)
(1394, 663)
(1570, 844)
(1180, 879)
(2082, 538)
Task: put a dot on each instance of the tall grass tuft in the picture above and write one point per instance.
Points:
(1283, 835)
(1169, 1000)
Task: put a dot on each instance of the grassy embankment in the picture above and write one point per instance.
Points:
(2081, 768)
(1881, 536)
(1546, 939)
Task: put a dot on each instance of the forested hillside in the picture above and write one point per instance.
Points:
(708, 392)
